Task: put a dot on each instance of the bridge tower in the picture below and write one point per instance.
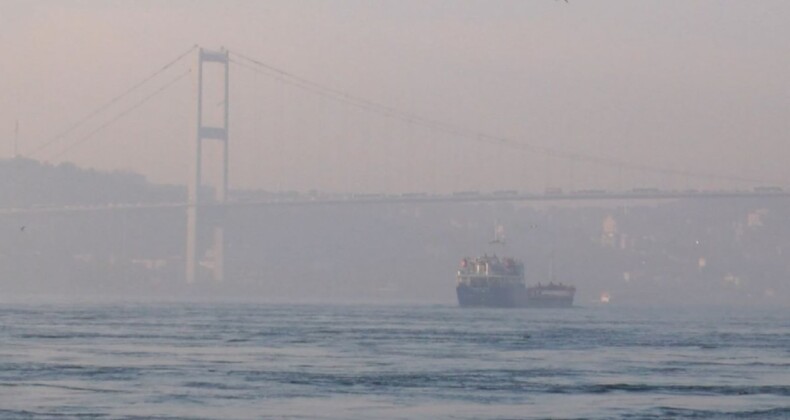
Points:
(220, 192)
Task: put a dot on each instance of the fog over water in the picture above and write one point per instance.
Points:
(392, 162)
(337, 100)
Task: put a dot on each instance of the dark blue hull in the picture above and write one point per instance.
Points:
(507, 297)
(494, 297)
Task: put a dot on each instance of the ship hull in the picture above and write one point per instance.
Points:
(507, 297)
(493, 297)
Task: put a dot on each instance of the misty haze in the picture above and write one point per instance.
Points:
(394, 209)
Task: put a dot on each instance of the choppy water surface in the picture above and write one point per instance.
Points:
(312, 361)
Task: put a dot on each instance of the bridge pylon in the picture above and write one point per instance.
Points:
(204, 132)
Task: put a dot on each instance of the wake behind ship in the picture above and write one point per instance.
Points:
(499, 283)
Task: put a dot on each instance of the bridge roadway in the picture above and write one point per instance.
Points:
(463, 197)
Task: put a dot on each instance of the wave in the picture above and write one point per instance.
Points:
(766, 414)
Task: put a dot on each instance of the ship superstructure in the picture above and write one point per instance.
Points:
(490, 281)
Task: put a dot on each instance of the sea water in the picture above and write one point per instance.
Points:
(244, 361)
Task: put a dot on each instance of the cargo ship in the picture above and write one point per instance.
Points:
(489, 281)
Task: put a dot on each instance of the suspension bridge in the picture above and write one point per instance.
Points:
(211, 71)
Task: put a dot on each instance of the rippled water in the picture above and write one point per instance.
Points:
(199, 360)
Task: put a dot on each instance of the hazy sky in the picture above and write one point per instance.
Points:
(685, 85)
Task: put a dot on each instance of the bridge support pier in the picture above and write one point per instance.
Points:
(195, 201)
